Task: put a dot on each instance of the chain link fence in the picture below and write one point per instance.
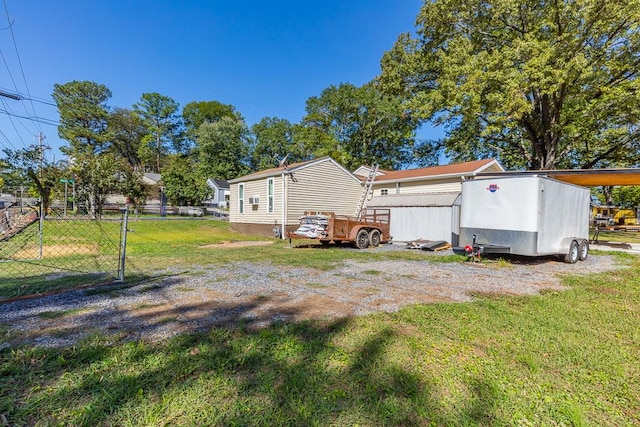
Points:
(63, 249)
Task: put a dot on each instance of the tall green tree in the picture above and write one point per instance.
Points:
(195, 113)
(37, 172)
(4, 171)
(223, 148)
(185, 184)
(273, 140)
(83, 110)
(626, 197)
(539, 84)
(358, 125)
(164, 126)
(127, 132)
(84, 124)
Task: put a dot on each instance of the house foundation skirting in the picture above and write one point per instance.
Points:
(265, 230)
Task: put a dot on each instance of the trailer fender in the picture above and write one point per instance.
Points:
(565, 244)
(353, 233)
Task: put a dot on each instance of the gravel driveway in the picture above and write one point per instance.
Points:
(260, 294)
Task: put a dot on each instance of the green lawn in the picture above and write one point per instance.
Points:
(153, 247)
(616, 237)
(560, 358)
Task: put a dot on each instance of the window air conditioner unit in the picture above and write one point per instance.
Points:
(255, 200)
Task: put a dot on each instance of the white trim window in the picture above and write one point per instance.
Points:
(384, 191)
(270, 195)
(240, 198)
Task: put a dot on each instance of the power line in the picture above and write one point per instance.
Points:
(41, 101)
(19, 97)
(10, 95)
(15, 45)
(36, 119)
(12, 124)
(7, 139)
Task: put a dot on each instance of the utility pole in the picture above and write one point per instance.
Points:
(41, 150)
(42, 211)
(41, 172)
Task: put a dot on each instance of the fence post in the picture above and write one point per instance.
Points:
(123, 244)
(41, 228)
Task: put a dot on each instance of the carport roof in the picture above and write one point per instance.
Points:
(583, 177)
(414, 200)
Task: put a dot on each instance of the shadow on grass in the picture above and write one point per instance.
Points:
(38, 285)
(300, 373)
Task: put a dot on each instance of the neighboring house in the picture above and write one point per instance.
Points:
(7, 199)
(154, 181)
(151, 179)
(261, 203)
(220, 196)
(424, 202)
(434, 179)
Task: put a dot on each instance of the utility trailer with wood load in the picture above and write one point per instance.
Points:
(369, 229)
(525, 215)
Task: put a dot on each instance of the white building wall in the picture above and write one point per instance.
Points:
(256, 214)
(412, 187)
(429, 223)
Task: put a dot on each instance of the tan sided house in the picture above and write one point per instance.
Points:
(262, 202)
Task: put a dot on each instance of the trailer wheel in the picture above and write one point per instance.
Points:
(362, 239)
(583, 250)
(574, 253)
(325, 242)
(374, 238)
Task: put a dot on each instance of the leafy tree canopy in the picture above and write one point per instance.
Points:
(126, 132)
(184, 184)
(626, 197)
(164, 125)
(223, 148)
(274, 139)
(84, 119)
(196, 113)
(358, 125)
(40, 173)
(83, 115)
(538, 84)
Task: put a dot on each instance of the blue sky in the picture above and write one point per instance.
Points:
(265, 58)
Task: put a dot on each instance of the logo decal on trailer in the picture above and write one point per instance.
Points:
(493, 188)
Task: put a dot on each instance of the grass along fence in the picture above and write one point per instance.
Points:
(59, 252)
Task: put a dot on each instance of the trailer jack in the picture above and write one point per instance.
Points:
(474, 251)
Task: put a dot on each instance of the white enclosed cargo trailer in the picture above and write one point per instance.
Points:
(527, 215)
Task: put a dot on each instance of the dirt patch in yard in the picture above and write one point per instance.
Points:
(56, 250)
(239, 244)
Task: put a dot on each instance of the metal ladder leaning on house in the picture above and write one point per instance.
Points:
(366, 192)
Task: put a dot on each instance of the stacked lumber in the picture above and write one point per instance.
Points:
(429, 245)
(313, 226)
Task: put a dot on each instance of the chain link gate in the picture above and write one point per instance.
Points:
(64, 249)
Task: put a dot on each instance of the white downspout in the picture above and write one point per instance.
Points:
(284, 207)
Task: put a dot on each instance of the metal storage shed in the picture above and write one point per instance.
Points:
(430, 216)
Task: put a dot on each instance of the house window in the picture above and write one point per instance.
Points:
(241, 198)
(384, 191)
(270, 195)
